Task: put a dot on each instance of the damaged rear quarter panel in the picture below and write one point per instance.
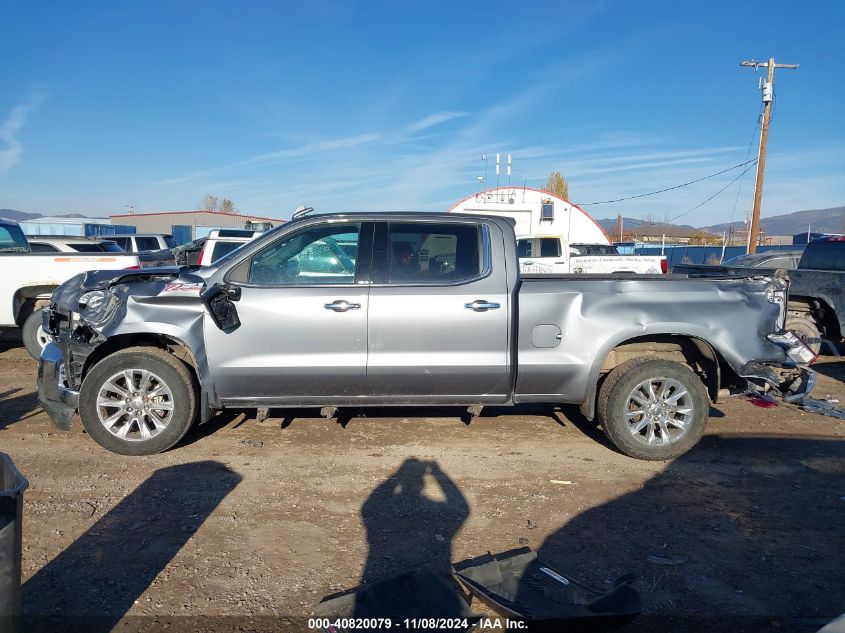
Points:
(596, 315)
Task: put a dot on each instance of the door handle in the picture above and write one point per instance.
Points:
(528, 263)
(480, 305)
(342, 305)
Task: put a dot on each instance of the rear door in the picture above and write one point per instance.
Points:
(438, 323)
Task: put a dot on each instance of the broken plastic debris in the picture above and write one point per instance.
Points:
(563, 482)
(822, 408)
(763, 400)
(667, 562)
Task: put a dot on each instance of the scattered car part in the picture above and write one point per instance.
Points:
(12, 486)
(823, 408)
(518, 584)
(418, 595)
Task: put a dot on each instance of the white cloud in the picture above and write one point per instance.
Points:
(435, 119)
(10, 154)
(279, 156)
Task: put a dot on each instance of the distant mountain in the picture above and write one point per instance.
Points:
(819, 220)
(636, 224)
(18, 216)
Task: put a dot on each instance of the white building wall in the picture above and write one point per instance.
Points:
(524, 205)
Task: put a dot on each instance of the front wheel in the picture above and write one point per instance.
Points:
(34, 337)
(138, 401)
(653, 409)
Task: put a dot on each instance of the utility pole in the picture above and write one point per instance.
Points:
(768, 92)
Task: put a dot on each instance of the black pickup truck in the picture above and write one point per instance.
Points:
(816, 306)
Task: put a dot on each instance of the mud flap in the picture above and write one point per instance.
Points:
(517, 584)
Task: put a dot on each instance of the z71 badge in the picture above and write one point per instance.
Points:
(180, 287)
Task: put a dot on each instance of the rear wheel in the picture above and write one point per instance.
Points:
(34, 337)
(653, 409)
(138, 401)
(805, 329)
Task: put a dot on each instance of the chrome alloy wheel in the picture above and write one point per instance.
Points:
(135, 405)
(659, 411)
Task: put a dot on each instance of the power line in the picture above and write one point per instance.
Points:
(747, 155)
(828, 54)
(812, 36)
(747, 169)
(686, 184)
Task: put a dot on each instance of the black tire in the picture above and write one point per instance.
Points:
(167, 369)
(613, 405)
(806, 330)
(32, 334)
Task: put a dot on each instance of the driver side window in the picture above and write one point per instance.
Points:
(323, 254)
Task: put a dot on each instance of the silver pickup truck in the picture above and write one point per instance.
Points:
(411, 309)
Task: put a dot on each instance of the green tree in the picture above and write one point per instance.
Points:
(227, 206)
(557, 185)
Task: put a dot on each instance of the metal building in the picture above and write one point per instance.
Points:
(535, 212)
(189, 225)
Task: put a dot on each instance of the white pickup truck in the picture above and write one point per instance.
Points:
(28, 279)
(551, 254)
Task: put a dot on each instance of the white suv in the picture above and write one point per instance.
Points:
(221, 242)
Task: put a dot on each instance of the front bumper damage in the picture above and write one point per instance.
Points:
(58, 400)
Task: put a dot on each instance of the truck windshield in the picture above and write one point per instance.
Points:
(12, 239)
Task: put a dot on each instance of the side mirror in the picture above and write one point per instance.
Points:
(219, 301)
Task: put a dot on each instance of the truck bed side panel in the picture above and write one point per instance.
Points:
(596, 314)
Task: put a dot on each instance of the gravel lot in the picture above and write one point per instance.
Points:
(250, 519)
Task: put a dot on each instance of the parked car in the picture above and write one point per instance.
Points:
(545, 254)
(30, 277)
(67, 244)
(142, 242)
(221, 242)
(769, 259)
(189, 253)
(432, 310)
(153, 248)
(816, 305)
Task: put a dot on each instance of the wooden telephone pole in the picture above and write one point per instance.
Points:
(768, 92)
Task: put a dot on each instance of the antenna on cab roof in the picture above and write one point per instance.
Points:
(301, 211)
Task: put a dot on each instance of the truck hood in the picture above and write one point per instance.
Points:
(149, 282)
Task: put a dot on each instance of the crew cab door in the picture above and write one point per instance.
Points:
(303, 319)
(541, 255)
(439, 314)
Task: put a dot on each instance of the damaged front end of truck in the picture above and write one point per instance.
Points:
(99, 312)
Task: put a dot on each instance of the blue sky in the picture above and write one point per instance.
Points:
(390, 105)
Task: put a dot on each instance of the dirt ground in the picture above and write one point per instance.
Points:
(247, 526)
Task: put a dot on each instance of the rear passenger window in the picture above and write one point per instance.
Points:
(433, 253)
(90, 247)
(42, 248)
(147, 244)
(221, 249)
(549, 247)
(123, 242)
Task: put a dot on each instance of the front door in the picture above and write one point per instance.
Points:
(303, 313)
(438, 326)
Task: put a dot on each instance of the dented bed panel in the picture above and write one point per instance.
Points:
(594, 316)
